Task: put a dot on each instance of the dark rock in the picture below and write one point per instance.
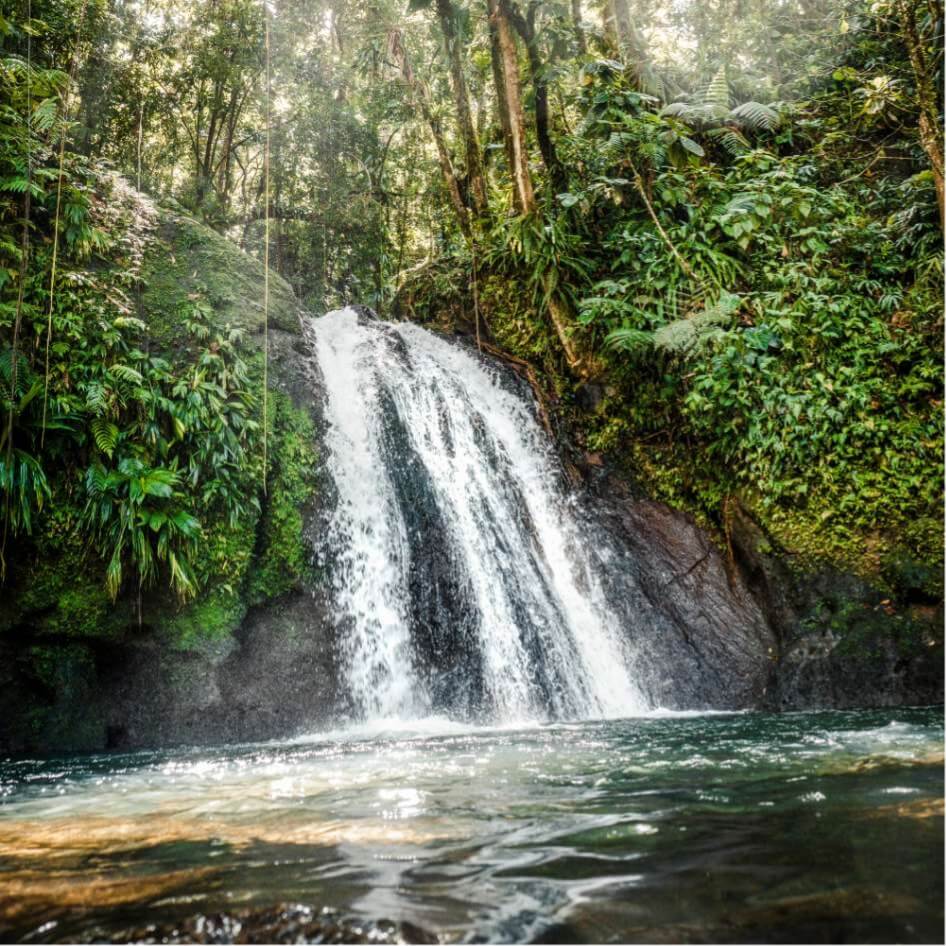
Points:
(701, 638)
(276, 677)
(590, 396)
(841, 643)
(365, 313)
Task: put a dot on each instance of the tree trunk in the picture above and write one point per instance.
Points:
(930, 122)
(474, 161)
(506, 65)
(398, 55)
(630, 43)
(525, 27)
(579, 29)
(506, 71)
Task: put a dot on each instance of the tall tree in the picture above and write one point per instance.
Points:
(630, 44)
(509, 100)
(451, 26)
(397, 55)
(525, 26)
(921, 28)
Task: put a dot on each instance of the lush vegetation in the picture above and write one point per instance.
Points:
(727, 216)
(131, 444)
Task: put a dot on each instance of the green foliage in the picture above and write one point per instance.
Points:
(150, 444)
(283, 557)
(710, 111)
(794, 357)
(134, 513)
(867, 629)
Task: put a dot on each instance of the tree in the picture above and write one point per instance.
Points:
(921, 26)
(451, 23)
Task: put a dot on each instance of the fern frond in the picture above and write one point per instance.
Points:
(105, 434)
(685, 336)
(628, 339)
(96, 397)
(126, 373)
(731, 139)
(685, 111)
(714, 97)
(756, 116)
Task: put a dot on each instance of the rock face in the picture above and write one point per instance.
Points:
(701, 637)
(276, 676)
(841, 643)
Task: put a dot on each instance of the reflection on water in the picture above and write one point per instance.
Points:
(801, 827)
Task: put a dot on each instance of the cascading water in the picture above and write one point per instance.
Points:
(462, 578)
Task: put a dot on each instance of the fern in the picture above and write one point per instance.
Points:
(628, 339)
(96, 397)
(44, 115)
(126, 373)
(22, 372)
(756, 116)
(106, 435)
(732, 140)
(714, 97)
(685, 336)
(709, 111)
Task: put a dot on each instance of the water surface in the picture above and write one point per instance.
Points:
(822, 827)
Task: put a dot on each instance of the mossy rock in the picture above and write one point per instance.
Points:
(186, 259)
(60, 634)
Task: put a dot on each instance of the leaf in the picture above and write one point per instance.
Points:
(126, 373)
(628, 339)
(106, 435)
(756, 116)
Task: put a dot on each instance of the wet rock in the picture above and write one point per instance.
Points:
(701, 638)
(365, 313)
(277, 676)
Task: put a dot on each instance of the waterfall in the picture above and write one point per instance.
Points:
(463, 580)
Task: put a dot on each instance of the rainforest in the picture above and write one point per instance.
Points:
(471, 471)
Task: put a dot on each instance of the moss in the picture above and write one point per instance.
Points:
(865, 629)
(62, 592)
(187, 258)
(283, 559)
(226, 555)
(213, 617)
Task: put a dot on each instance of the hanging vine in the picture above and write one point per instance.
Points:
(21, 287)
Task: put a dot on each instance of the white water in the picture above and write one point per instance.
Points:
(407, 406)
